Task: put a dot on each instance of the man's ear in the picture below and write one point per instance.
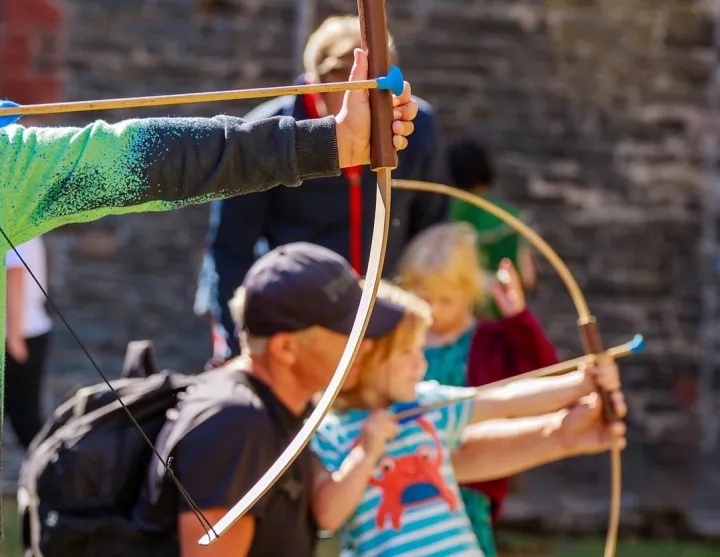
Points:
(365, 347)
(283, 348)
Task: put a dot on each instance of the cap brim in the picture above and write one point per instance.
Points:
(385, 317)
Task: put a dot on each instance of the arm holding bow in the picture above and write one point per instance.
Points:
(519, 444)
(57, 176)
(532, 397)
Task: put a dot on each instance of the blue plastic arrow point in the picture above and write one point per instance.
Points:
(394, 81)
(637, 344)
(7, 120)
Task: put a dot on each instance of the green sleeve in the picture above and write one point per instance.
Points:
(56, 176)
(460, 211)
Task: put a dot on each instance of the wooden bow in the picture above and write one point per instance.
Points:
(586, 323)
(384, 159)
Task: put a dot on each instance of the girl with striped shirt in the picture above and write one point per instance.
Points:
(389, 484)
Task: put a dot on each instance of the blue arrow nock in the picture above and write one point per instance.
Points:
(7, 120)
(394, 81)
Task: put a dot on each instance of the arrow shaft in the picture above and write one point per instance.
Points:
(555, 369)
(188, 98)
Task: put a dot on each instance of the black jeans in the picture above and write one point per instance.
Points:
(22, 389)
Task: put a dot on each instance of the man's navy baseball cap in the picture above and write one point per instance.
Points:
(300, 285)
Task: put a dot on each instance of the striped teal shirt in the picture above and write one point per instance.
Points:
(447, 365)
(412, 505)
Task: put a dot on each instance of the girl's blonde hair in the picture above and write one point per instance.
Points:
(441, 256)
(416, 320)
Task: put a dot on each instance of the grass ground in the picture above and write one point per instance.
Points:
(517, 545)
(10, 547)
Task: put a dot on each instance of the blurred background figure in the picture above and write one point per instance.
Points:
(28, 336)
(336, 213)
(473, 171)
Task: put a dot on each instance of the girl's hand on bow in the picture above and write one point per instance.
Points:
(584, 430)
(605, 374)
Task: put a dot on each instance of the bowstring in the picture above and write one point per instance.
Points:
(201, 518)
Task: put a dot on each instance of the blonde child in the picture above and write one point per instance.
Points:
(441, 265)
(391, 485)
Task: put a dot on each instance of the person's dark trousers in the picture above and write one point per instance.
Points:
(23, 382)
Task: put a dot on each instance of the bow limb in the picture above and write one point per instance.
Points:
(586, 322)
(593, 345)
(383, 159)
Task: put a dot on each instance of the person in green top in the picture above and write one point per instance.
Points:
(51, 177)
(472, 170)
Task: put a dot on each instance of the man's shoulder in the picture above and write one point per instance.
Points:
(221, 403)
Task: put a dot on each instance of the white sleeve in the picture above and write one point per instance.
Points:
(12, 260)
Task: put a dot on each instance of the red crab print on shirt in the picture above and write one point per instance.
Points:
(412, 480)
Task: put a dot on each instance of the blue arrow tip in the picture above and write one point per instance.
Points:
(637, 344)
(7, 120)
(394, 81)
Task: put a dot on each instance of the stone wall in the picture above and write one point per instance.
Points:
(599, 112)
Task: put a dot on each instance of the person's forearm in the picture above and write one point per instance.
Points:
(14, 306)
(56, 176)
(340, 495)
(531, 397)
(502, 448)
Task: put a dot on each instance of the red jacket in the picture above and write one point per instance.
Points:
(502, 349)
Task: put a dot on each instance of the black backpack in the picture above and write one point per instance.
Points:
(83, 472)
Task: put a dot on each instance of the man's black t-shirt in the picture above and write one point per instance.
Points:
(223, 436)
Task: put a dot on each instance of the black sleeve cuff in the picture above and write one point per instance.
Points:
(316, 148)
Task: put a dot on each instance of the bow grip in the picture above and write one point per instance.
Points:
(592, 343)
(373, 30)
